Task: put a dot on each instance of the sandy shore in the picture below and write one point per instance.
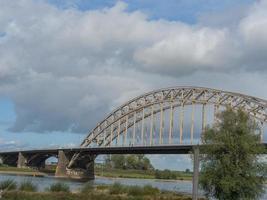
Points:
(36, 174)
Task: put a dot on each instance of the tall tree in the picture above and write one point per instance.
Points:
(232, 168)
(139, 162)
(118, 161)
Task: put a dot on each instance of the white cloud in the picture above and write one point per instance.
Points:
(10, 144)
(186, 51)
(65, 69)
(253, 26)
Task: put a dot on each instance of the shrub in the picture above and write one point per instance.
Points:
(102, 187)
(135, 190)
(87, 188)
(59, 187)
(165, 174)
(28, 186)
(8, 184)
(117, 188)
(149, 190)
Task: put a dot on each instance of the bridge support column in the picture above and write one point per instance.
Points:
(196, 173)
(83, 169)
(62, 163)
(22, 161)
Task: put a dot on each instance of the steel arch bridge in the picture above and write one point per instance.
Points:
(164, 121)
(149, 119)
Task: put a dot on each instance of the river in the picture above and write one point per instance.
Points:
(45, 182)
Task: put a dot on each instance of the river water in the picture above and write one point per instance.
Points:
(45, 182)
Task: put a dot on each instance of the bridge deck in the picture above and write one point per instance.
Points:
(167, 149)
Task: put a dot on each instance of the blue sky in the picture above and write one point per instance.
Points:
(55, 54)
(30, 139)
(8, 114)
(182, 10)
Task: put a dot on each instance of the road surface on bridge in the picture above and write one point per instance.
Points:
(164, 149)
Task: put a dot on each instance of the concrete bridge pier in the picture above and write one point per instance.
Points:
(22, 161)
(62, 164)
(83, 169)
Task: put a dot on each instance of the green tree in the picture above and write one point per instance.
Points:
(146, 164)
(131, 162)
(139, 162)
(231, 168)
(118, 161)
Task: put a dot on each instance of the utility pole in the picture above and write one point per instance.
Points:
(196, 173)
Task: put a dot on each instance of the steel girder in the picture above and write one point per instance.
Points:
(178, 96)
(151, 103)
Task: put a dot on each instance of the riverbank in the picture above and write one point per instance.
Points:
(34, 174)
(151, 179)
(140, 174)
(21, 171)
(102, 172)
(93, 196)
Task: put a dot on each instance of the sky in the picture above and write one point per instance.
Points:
(64, 65)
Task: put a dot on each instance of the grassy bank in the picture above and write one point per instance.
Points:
(61, 191)
(120, 173)
(15, 169)
(20, 171)
(17, 195)
(143, 174)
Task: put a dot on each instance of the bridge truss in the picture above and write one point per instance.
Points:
(158, 117)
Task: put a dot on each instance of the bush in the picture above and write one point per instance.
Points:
(135, 190)
(28, 186)
(87, 188)
(8, 184)
(149, 190)
(102, 187)
(59, 187)
(165, 174)
(117, 188)
(21, 195)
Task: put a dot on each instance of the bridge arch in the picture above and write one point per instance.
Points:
(38, 160)
(158, 101)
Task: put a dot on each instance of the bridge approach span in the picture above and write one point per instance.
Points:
(36, 158)
(167, 149)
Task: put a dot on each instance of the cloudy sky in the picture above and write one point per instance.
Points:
(64, 65)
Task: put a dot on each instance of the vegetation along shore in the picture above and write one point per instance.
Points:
(60, 191)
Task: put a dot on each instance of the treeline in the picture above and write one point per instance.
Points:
(138, 162)
(165, 174)
(138, 166)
